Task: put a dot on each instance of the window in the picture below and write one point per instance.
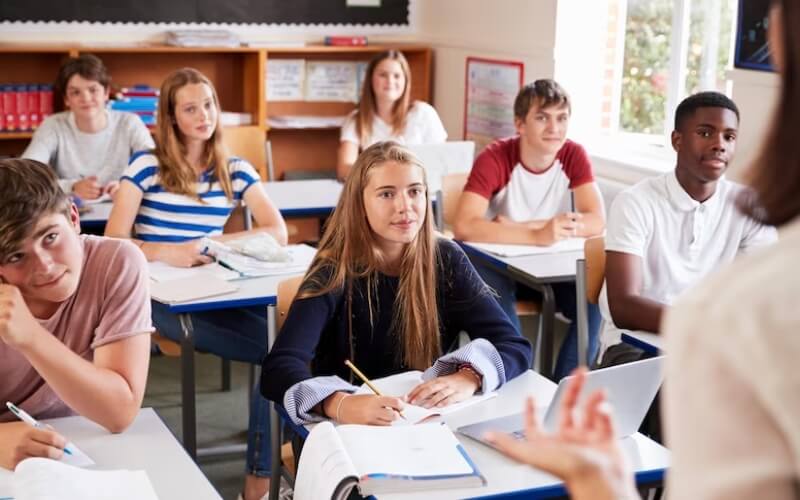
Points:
(664, 51)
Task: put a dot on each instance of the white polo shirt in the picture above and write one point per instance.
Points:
(423, 126)
(679, 239)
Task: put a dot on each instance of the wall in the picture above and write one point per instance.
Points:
(516, 30)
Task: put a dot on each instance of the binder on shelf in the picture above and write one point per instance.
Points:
(346, 41)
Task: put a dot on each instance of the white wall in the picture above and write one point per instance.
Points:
(515, 30)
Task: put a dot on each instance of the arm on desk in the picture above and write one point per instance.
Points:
(584, 452)
(268, 217)
(629, 309)
(589, 204)
(471, 224)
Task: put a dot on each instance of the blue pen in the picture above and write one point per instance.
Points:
(23, 415)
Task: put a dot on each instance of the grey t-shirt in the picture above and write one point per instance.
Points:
(75, 154)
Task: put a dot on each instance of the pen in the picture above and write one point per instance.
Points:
(367, 382)
(23, 415)
(572, 201)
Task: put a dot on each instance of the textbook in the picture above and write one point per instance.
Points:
(45, 479)
(402, 383)
(381, 460)
(504, 250)
(199, 286)
(259, 255)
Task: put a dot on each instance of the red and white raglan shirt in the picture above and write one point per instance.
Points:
(521, 195)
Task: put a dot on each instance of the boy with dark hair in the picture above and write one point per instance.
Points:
(518, 192)
(74, 316)
(666, 233)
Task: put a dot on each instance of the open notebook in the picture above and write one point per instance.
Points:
(504, 250)
(45, 479)
(381, 460)
(401, 384)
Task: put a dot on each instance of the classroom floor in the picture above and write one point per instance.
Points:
(221, 416)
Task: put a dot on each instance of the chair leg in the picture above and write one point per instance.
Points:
(226, 375)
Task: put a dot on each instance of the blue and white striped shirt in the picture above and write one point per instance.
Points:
(174, 218)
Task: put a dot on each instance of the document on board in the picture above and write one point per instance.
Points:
(381, 460)
(567, 245)
(331, 81)
(402, 383)
(285, 79)
(46, 479)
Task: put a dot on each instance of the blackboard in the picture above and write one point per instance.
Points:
(752, 50)
(390, 12)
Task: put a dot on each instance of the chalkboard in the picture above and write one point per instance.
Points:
(391, 12)
(752, 50)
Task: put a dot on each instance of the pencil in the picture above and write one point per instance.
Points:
(367, 382)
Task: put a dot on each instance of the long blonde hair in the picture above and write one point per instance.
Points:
(177, 175)
(367, 108)
(349, 251)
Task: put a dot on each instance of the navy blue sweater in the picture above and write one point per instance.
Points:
(314, 338)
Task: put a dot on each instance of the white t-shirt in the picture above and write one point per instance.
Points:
(679, 239)
(423, 126)
(75, 154)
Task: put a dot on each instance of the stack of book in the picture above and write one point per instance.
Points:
(24, 106)
(202, 38)
(139, 99)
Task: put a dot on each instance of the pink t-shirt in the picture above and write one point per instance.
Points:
(515, 192)
(112, 302)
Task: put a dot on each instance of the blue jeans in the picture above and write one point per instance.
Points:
(239, 335)
(507, 293)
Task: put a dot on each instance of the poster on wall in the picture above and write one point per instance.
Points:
(491, 87)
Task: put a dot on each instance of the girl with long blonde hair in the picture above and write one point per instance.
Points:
(387, 112)
(170, 199)
(385, 292)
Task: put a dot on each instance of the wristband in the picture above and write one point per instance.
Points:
(339, 407)
(466, 367)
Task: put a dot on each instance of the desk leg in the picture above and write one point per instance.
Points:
(546, 330)
(188, 412)
(275, 420)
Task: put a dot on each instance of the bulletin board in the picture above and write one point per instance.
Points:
(490, 89)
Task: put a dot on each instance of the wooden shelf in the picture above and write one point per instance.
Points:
(7, 136)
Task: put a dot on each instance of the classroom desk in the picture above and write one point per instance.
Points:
(537, 272)
(252, 292)
(146, 445)
(509, 479)
(304, 198)
(649, 342)
(97, 215)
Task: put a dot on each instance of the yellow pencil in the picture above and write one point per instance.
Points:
(367, 382)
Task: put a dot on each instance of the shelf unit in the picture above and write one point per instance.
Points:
(239, 74)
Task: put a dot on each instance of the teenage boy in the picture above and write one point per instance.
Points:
(518, 192)
(74, 316)
(667, 232)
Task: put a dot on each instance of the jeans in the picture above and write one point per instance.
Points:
(239, 335)
(507, 293)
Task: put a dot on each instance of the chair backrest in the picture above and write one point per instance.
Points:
(248, 143)
(287, 290)
(594, 251)
(452, 187)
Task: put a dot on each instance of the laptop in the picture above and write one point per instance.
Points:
(631, 389)
(444, 158)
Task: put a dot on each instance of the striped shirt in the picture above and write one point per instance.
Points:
(174, 218)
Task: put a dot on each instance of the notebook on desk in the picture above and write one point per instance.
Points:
(381, 460)
(402, 383)
(45, 479)
(505, 250)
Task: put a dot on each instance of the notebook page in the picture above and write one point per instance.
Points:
(193, 288)
(6, 477)
(324, 464)
(161, 271)
(45, 479)
(567, 245)
(422, 450)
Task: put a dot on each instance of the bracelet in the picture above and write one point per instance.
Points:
(339, 407)
(466, 367)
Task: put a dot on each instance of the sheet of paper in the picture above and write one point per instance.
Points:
(78, 458)
(42, 478)
(567, 245)
(161, 271)
(285, 79)
(192, 288)
(402, 383)
(422, 450)
(331, 81)
(324, 464)
(104, 198)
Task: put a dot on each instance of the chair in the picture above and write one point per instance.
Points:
(589, 276)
